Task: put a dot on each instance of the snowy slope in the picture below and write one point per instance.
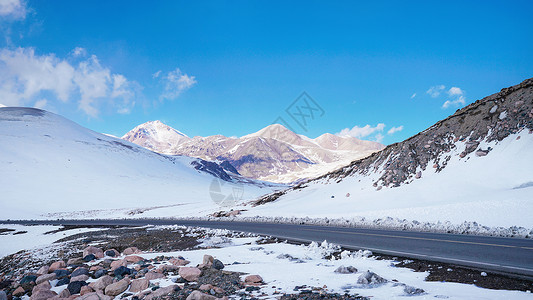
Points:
(474, 166)
(49, 164)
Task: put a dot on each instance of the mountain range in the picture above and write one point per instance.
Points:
(274, 153)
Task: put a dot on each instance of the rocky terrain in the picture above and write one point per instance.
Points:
(273, 154)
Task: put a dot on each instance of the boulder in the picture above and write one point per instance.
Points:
(102, 282)
(131, 250)
(86, 290)
(163, 268)
(133, 258)
(112, 253)
(179, 261)
(480, 153)
(370, 278)
(43, 295)
(153, 275)
(41, 287)
(190, 273)
(99, 253)
(197, 295)
(162, 292)
(75, 261)
(412, 291)
(94, 296)
(28, 279)
(89, 257)
(19, 291)
(121, 271)
(80, 278)
(79, 271)
(117, 288)
(253, 280)
(100, 273)
(95, 268)
(45, 277)
(346, 270)
(217, 264)
(60, 273)
(63, 281)
(43, 270)
(209, 287)
(74, 287)
(139, 285)
(64, 294)
(3, 295)
(208, 260)
(118, 263)
(57, 265)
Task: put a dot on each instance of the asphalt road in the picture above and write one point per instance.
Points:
(513, 256)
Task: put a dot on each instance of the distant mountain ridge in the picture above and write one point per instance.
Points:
(273, 153)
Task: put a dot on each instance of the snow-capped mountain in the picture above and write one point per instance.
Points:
(476, 165)
(274, 153)
(49, 165)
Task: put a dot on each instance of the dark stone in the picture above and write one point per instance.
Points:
(217, 264)
(89, 257)
(121, 271)
(63, 281)
(100, 273)
(28, 279)
(75, 287)
(79, 271)
(252, 288)
(61, 273)
(110, 253)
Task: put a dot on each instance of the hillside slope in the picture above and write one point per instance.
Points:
(53, 167)
(475, 165)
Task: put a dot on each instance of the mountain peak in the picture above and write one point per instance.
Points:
(156, 136)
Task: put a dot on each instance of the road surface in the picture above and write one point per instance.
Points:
(512, 256)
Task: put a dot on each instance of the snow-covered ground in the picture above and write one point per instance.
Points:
(285, 266)
(49, 165)
(493, 190)
(28, 237)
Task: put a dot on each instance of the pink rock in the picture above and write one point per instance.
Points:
(253, 279)
(131, 250)
(190, 273)
(197, 295)
(94, 296)
(117, 288)
(64, 294)
(153, 275)
(161, 292)
(179, 262)
(163, 268)
(208, 287)
(41, 287)
(43, 295)
(86, 290)
(102, 283)
(133, 258)
(57, 265)
(43, 270)
(95, 268)
(19, 291)
(118, 263)
(79, 278)
(99, 253)
(45, 277)
(139, 285)
(208, 260)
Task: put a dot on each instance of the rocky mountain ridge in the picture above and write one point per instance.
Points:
(274, 153)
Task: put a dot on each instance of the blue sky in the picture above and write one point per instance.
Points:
(233, 67)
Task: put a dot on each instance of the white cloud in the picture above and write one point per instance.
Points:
(40, 103)
(459, 101)
(455, 91)
(378, 138)
(175, 83)
(393, 130)
(156, 74)
(413, 96)
(79, 51)
(24, 76)
(14, 9)
(435, 91)
(361, 132)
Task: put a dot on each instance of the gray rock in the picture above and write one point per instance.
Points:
(45, 277)
(346, 270)
(370, 278)
(412, 291)
(3, 295)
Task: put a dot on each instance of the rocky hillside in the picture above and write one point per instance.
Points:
(273, 154)
(492, 118)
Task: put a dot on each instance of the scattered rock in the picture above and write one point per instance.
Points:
(74, 287)
(46, 277)
(133, 258)
(208, 260)
(43, 270)
(411, 291)
(196, 295)
(60, 273)
(117, 288)
(89, 257)
(253, 280)
(370, 278)
(179, 261)
(100, 273)
(112, 253)
(79, 271)
(153, 275)
(121, 271)
(75, 261)
(3, 295)
(80, 278)
(480, 152)
(118, 263)
(190, 273)
(28, 279)
(19, 291)
(86, 290)
(131, 250)
(102, 283)
(63, 281)
(217, 264)
(162, 292)
(57, 265)
(346, 270)
(139, 285)
(97, 252)
(43, 295)
(64, 294)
